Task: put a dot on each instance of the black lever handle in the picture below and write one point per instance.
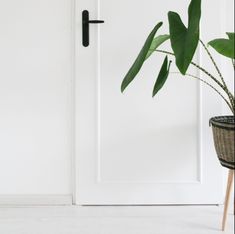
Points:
(95, 21)
(85, 27)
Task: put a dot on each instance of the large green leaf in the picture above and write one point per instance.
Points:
(157, 41)
(162, 76)
(184, 40)
(224, 46)
(140, 59)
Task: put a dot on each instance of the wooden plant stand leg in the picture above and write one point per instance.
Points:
(228, 193)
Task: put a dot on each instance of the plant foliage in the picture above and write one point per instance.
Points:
(184, 42)
(224, 46)
(162, 76)
(140, 59)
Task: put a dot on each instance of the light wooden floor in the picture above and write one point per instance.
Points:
(114, 220)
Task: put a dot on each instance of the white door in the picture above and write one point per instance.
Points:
(130, 148)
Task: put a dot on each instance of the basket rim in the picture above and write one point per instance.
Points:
(227, 121)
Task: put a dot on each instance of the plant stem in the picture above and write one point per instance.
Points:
(211, 86)
(230, 96)
(165, 52)
(197, 66)
(214, 63)
(208, 74)
(225, 89)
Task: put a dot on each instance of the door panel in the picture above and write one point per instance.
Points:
(131, 148)
(143, 143)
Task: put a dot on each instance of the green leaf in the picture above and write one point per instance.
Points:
(231, 35)
(157, 41)
(184, 40)
(224, 46)
(140, 59)
(162, 76)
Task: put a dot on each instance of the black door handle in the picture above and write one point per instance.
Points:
(85, 27)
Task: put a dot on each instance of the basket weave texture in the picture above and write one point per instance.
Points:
(223, 128)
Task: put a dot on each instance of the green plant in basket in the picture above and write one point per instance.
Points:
(184, 41)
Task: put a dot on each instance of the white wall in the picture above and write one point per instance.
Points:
(35, 97)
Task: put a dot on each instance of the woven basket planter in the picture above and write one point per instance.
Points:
(223, 128)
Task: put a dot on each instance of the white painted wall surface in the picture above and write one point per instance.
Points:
(35, 97)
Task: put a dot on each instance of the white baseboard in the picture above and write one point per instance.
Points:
(35, 200)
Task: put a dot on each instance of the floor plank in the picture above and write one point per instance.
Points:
(114, 220)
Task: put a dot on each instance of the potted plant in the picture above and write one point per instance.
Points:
(184, 42)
